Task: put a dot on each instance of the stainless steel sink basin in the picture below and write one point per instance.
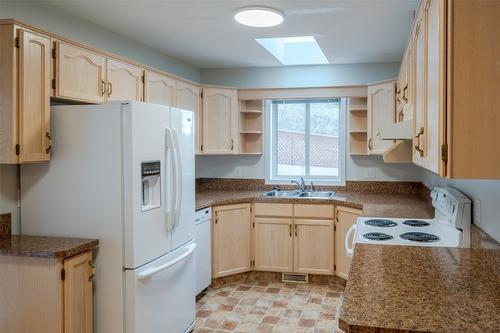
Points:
(296, 194)
(282, 194)
(316, 195)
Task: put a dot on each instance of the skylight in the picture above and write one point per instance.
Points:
(302, 50)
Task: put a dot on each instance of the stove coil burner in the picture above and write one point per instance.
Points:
(416, 223)
(381, 223)
(419, 237)
(378, 236)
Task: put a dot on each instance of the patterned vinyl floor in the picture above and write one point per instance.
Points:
(269, 307)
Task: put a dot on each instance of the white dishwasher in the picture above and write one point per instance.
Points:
(203, 257)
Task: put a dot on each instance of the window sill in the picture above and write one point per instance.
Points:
(320, 182)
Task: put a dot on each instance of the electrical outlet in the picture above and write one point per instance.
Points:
(477, 212)
(371, 173)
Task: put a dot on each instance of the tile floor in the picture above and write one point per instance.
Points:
(269, 307)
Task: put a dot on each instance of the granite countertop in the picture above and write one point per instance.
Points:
(422, 289)
(372, 204)
(44, 247)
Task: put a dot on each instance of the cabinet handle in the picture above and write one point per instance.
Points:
(49, 148)
(417, 146)
(103, 87)
(92, 267)
(110, 88)
(370, 146)
(290, 229)
(295, 230)
(404, 93)
(232, 144)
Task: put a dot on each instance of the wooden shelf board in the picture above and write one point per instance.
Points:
(358, 154)
(251, 111)
(358, 131)
(250, 132)
(250, 153)
(358, 108)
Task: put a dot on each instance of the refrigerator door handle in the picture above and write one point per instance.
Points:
(149, 272)
(175, 179)
(178, 169)
(169, 206)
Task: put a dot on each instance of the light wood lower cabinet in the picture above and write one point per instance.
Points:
(42, 297)
(80, 74)
(344, 218)
(231, 240)
(24, 96)
(313, 246)
(125, 81)
(273, 244)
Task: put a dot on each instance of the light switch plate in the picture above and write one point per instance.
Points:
(477, 212)
(371, 173)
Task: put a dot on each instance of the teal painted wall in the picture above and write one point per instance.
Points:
(300, 76)
(57, 21)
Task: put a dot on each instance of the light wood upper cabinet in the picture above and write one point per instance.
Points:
(47, 295)
(78, 294)
(381, 110)
(345, 218)
(34, 97)
(273, 244)
(80, 74)
(231, 240)
(219, 121)
(160, 88)
(419, 59)
(125, 81)
(24, 96)
(313, 246)
(188, 97)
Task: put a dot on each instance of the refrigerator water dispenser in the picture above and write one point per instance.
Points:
(151, 185)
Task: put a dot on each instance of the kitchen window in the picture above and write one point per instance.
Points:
(305, 138)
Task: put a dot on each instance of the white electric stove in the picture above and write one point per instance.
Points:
(449, 228)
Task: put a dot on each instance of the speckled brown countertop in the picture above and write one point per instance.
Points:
(373, 204)
(422, 289)
(44, 247)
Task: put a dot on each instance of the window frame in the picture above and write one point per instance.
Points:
(270, 139)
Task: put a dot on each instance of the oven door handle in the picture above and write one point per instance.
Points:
(349, 250)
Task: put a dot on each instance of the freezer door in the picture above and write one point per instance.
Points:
(183, 139)
(160, 296)
(147, 222)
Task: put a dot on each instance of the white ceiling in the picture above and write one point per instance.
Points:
(203, 33)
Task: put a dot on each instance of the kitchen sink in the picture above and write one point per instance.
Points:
(316, 195)
(282, 194)
(296, 194)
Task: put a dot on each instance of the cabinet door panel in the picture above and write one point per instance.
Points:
(124, 81)
(345, 218)
(381, 111)
(160, 89)
(78, 294)
(434, 86)
(419, 86)
(231, 240)
(273, 245)
(219, 112)
(313, 246)
(34, 97)
(80, 74)
(187, 97)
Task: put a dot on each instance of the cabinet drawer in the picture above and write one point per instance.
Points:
(316, 211)
(264, 209)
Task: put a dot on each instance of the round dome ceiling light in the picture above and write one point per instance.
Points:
(260, 17)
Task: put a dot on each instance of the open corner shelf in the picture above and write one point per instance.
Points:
(358, 126)
(250, 127)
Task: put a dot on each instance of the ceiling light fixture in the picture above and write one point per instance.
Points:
(260, 17)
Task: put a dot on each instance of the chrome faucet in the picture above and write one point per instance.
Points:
(312, 187)
(301, 185)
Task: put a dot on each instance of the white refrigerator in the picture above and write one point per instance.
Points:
(123, 172)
